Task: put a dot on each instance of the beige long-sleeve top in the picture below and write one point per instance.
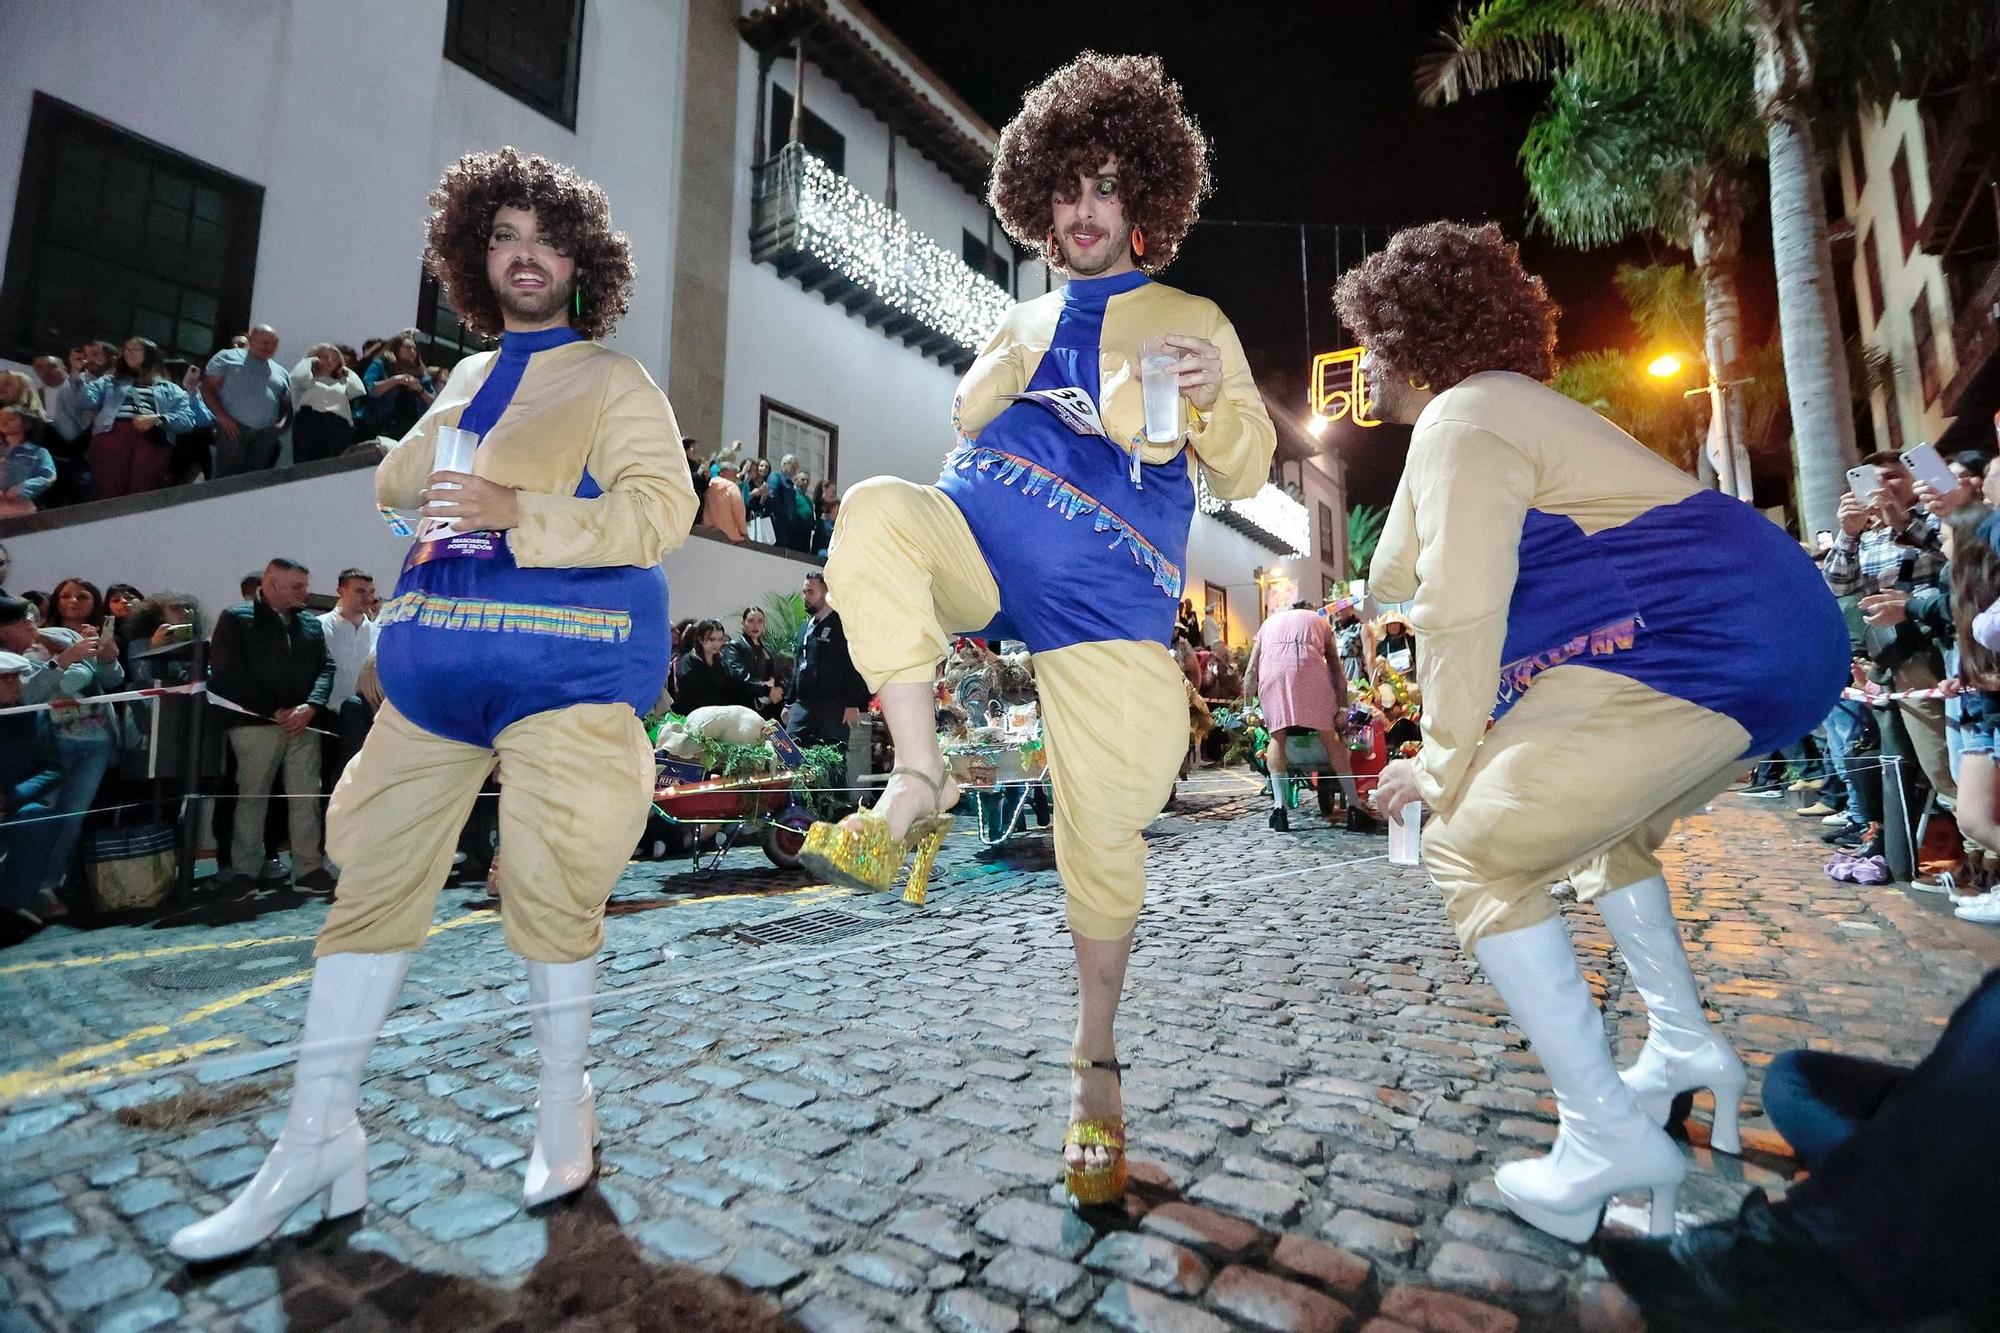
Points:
(579, 407)
(1484, 453)
(1232, 442)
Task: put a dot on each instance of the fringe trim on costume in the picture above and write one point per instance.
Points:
(1518, 675)
(1035, 479)
(434, 611)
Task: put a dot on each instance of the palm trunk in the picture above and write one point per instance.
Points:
(1716, 238)
(1808, 315)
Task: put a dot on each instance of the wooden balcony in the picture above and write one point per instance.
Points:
(816, 228)
(1962, 165)
(1976, 337)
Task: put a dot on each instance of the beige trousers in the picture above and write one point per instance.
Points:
(261, 751)
(905, 574)
(1583, 778)
(575, 785)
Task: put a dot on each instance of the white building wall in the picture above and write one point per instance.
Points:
(1877, 223)
(892, 406)
(347, 114)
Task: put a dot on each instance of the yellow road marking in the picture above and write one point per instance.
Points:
(16, 1087)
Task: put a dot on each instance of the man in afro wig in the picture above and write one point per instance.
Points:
(1067, 534)
(529, 625)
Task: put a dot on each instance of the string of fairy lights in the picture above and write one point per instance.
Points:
(870, 244)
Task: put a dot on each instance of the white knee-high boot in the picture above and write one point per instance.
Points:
(1682, 1051)
(565, 1108)
(1605, 1144)
(321, 1149)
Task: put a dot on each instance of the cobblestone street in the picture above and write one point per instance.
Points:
(830, 1111)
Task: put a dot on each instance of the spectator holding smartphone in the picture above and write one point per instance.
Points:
(1889, 543)
(399, 388)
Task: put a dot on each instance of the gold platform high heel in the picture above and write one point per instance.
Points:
(1093, 1185)
(861, 853)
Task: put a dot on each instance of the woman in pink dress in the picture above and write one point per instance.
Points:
(1295, 676)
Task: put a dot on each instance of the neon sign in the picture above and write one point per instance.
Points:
(1337, 388)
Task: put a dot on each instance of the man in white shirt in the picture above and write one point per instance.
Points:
(350, 641)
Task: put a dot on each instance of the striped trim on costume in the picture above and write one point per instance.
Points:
(436, 611)
(1011, 468)
(1518, 675)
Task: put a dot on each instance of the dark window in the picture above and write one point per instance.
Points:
(1871, 259)
(1327, 550)
(822, 140)
(1895, 419)
(1926, 337)
(784, 432)
(1906, 203)
(995, 263)
(446, 341)
(115, 235)
(528, 49)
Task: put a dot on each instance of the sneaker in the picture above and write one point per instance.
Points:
(1280, 821)
(48, 907)
(1848, 835)
(274, 868)
(1818, 809)
(1766, 792)
(1807, 784)
(1838, 819)
(1936, 881)
(1984, 910)
(317, 882)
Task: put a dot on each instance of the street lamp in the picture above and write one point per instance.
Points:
(1667, 366)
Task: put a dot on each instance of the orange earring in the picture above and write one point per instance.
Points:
(1138, 242)
(1055, 254)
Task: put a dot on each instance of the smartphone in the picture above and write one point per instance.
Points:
(109, 627)
(1927, 465)
(180, 633)
(1865, 481)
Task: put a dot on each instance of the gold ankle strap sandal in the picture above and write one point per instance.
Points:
(861, 853)
(1092, 1186)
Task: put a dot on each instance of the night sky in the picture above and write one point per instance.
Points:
(1311, 108)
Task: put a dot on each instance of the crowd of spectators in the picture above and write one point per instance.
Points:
(109, 420)
(1896, 745)
(294, 694)
(749, 500)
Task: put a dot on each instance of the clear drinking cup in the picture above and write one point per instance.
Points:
(452, 453)
(1159, 379)
(1406, 836)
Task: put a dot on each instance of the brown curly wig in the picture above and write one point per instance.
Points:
(1444, 301)
(570, 210)
(1094, 108)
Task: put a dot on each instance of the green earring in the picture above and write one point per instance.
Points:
(577, 293)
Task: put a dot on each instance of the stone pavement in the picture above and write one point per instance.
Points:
(851, 1113)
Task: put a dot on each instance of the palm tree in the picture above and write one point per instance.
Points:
(1629, 143)
(1810, 63)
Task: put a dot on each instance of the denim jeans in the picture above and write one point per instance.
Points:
(24, 854)
(85, 759)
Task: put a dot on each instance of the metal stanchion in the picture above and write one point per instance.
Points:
(1896, 848)
(190, 764)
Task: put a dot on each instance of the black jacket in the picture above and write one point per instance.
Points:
(827, 681)
(701, 684)
(257, 660)
(753, 667)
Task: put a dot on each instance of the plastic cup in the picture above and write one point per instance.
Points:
(1159, 381)
(453, 452)
(1406, 836)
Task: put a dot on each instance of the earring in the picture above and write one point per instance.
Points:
(1421, 386)
(1138, 242)
(1053, 250)
(577, 294)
